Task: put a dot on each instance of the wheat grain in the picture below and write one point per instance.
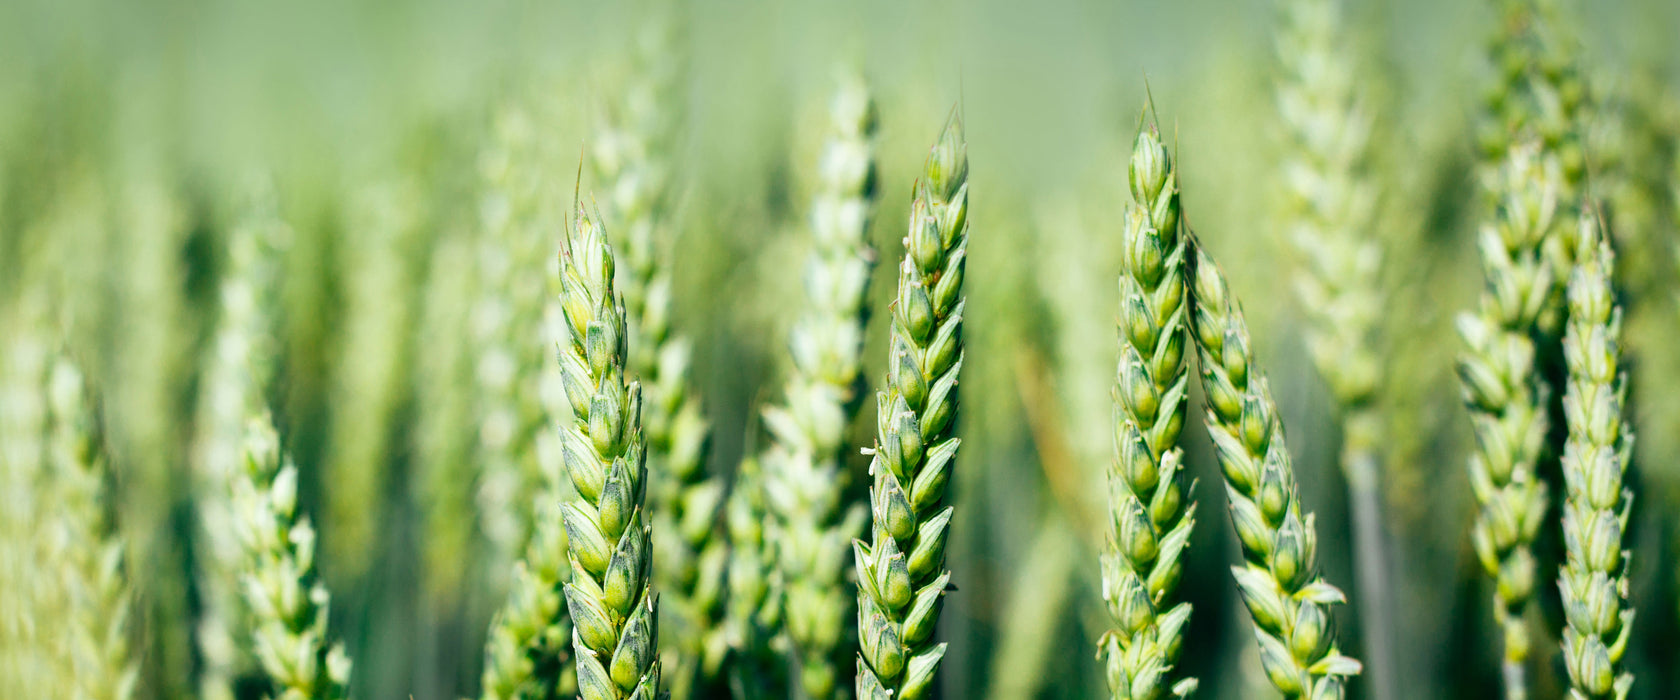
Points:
(1593, 581)
(235, 379)
(804, 477)
(901, 571)
(1505, 395)
(610, 595)
(1149, 516)
(1286, 597)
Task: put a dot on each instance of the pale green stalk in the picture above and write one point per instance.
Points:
(611, 598)
(372, 371)
(1594, 579)
(632, 159)
(235, 377)
(1036, 608)
(1330, 224)
(805, 478)
(1505, 394)
(1150, 517)
(901, 571)
(443, 435)
(86, 548)
(1286, 597)
(145, 378)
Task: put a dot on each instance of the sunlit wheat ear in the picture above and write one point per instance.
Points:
(1278, 580)
(1150, 517)
(614, 610)
(901, 571)
(1329, 220)
(1594, 578)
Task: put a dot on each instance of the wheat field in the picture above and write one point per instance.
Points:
(1302, 349)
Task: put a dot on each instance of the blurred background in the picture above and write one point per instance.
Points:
(135, 135)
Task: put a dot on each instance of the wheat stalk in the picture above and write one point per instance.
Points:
(235, 378)
(805, 480)
(632, 160)
(1286, 597)
(1506, 398)
(610, 595)
(1594, 581)
(1149, 518)
(901, 571)
(288, 604)
(86, 548)
(386, 222)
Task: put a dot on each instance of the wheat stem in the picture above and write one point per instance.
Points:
(901, 571)
(1286, 597)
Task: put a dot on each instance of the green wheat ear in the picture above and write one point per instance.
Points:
(85, 546)
(1594, 578)
(614, 610)
(901, 570)
(1149, 519)
(1505, 394)
(1279, 581)
(288, 604)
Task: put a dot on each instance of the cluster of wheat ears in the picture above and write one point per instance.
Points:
(805, 571)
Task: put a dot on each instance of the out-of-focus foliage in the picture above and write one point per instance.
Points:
(130, 131)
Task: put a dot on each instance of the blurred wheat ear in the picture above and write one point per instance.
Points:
(807, 488)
